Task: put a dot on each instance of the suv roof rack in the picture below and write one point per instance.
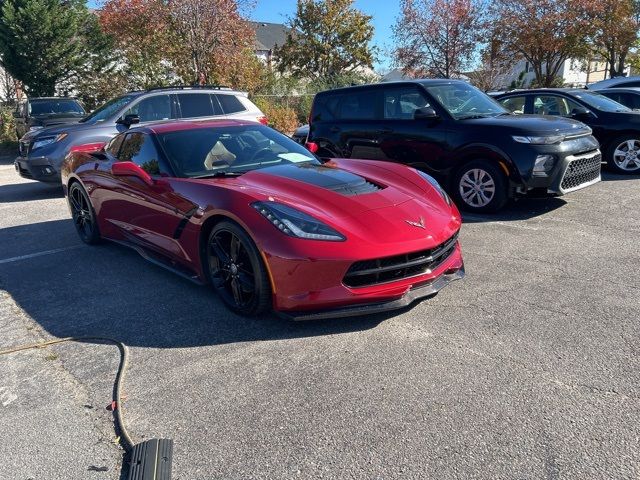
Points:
(188, 87)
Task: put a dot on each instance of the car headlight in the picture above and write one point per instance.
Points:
(295, 223)
(35, 127)
(41, 142)
(434, 183)
(547, 140)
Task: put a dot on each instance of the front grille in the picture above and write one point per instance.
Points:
(580, 171)
(389, 269)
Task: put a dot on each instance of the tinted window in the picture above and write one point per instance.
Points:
(114, 145)
(553, 105)
(514, 104)
(140, 149)
(600, 102)
(464, 101)
(358, 106)
(230, 104)
(325, 107)
(62, 106)
(401, 103)
(157, 107)
(109, 108)
(197, 105)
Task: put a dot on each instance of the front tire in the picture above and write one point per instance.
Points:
(83, 214)
(236, 270)
(479, 186)
(623, 154)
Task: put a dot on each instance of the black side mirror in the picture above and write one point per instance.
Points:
(580, 113)
(129, 119)
(425, 113)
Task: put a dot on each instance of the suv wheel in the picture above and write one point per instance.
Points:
(623, 154)
(480, 187)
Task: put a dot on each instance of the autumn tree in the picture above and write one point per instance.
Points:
(326, 38)
(617, 25)
(496, 63)
(41, 41)
(436, 37)
(545, 32)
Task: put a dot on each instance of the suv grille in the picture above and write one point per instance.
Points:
(389, 269)
(580, 171)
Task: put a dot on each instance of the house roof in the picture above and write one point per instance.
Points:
(268, 35)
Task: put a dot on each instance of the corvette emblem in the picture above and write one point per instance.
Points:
(419, 224)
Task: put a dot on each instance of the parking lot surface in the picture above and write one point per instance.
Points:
(526, 369)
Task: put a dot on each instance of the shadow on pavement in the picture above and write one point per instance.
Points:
(109, 290)
(24, 192)
(608, 176)
(520, 209)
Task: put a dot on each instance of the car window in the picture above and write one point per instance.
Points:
(109, 108)
(193, 105)
(401, 103)
(150, 109)
(600, 102)
(552, 105)
(140, 149)
(359, 105)
(325, 107)
(114, 145)
(56, 106)
(463, 101)
(514, 104)
(230, 104)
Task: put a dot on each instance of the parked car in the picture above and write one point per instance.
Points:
(42, 151)
(615, 82)
(616, 127)
(628, 96)
(301, 134)
(481, 152)
(241, 206)
(36, 113)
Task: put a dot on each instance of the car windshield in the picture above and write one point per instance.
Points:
(463, 101)
(109, 108)
(56, 106)
(600, 102)
(218, 151)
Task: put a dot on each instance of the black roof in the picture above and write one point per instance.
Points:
(422, 81)
(268, 35)
(635, 90)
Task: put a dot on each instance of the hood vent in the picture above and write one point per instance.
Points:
(355, 188)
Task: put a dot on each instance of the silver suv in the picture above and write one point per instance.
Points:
(41, 152)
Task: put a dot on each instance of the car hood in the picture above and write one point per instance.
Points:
(371, 201)
(59, 127)
(533, 124)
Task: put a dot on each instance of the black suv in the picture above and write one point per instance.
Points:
(37, 113)
(480, 151)
(616, 127)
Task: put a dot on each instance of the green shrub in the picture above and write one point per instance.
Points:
(7, 126)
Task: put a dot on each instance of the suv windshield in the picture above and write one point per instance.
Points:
(464, 101)
(56, 106)
(109, 108)
(217, 151)
(600, 102)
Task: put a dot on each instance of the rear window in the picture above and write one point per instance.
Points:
(359, 105)
(197, 105)
(230, 104)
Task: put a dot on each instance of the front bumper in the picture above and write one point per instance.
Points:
(419, 292)
(39, 168)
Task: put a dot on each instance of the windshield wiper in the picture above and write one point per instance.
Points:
(224, 173)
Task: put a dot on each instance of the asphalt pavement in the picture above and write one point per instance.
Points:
(528, 368)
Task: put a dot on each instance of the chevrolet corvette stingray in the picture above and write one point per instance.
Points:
(268, 225)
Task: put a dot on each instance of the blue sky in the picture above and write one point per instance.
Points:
(384, 14)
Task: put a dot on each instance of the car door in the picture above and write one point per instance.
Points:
(421, 143)
(154, 108)
(151, 215)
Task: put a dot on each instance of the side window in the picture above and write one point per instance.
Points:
(514, 104)
(193, 105)
(358, 106)
(401, 103)
(551, 105)
(230, 104)
(140, 149)
(114, 145)
(325, 107)
(150, 109)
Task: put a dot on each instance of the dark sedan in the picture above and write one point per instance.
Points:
(616, 127)
(629, 97)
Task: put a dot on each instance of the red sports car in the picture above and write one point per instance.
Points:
(243, 207)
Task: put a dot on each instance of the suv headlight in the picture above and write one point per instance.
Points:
(548, 140)
(434, 183)
(295, 223)
(41, 142)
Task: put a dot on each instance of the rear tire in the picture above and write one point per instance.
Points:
(83, 214)
(236, 270)
(480, 186)
(623, 154)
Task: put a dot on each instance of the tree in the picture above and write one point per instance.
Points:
(545, 32)
(617, 23)
(495, 65)
(436, 37)
(326, 38)
(39, 41)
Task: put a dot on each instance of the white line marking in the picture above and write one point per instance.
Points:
(38, 254)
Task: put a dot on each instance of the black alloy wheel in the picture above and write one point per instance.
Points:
(84, 217)
(236, 270)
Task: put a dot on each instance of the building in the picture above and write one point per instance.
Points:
(268, 37)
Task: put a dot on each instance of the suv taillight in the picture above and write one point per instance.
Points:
(263, 120)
